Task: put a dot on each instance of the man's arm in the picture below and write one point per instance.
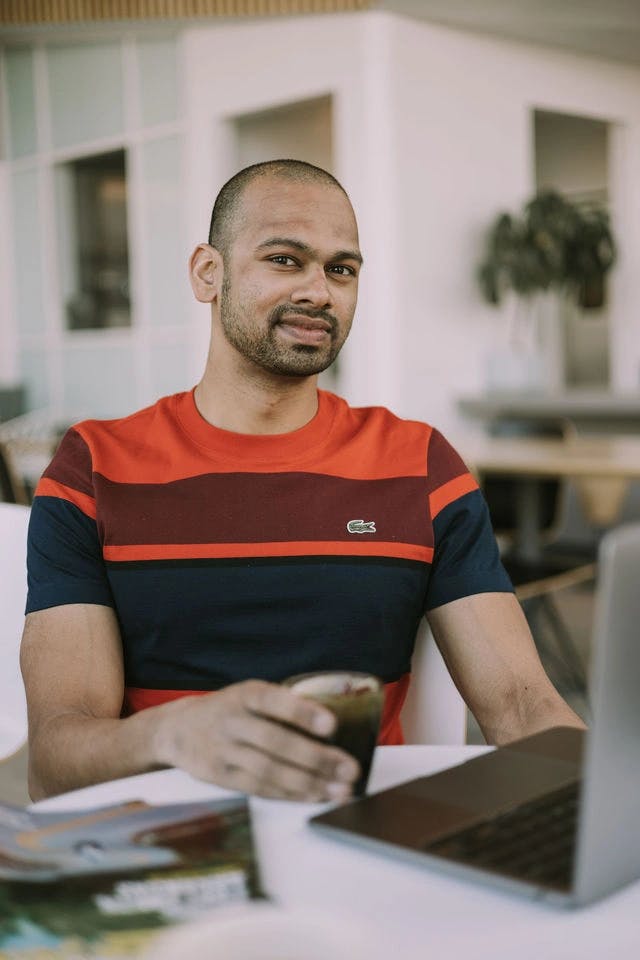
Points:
(255, 737)
(487, 645)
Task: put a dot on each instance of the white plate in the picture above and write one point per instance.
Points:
(264, 931)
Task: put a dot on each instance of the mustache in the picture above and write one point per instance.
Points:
(284, 309)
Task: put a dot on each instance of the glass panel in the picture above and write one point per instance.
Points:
(158, 79)
(99, 379)
(22, 103)
(27, 251)
(85, 85)
(571, 157)
(168, 362)
(34, 366)
(91, 196)
(165, 278)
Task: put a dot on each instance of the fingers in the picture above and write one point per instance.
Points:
(273, 751)
(252, 771)
(256, 737)
(284, 745)
(279, 703)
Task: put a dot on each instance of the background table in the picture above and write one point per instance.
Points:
(407, 911)
(590, 410)
(601, 468)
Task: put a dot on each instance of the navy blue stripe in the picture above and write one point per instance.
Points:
(64, 558)
(266, 562)
(466, 559)
(194, 628)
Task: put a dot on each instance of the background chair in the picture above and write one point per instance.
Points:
(434, 711)
(14, 519)
(27, 444)
(560, 564)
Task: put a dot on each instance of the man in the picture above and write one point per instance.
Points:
(185, 559)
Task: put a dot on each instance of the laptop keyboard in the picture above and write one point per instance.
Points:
(533, 842)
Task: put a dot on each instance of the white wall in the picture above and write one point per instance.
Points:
(463, 134)
(432, 136)
(9, 372)
(237, 69)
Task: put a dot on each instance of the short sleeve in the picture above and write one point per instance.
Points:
(466, 559)
(64, 554)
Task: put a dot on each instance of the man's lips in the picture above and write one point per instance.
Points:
(307, 323)
(305, 329)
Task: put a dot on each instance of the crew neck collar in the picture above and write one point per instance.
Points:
(272, 447)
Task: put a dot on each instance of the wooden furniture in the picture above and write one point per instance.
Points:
(600, 466)
(27, 444)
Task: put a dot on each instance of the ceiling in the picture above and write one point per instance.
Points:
(609, 29)
(604, 28)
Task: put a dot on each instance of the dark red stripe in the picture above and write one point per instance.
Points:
(443, 463)
(259, 508)
(71, 465)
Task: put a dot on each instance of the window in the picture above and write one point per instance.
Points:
(94, 252)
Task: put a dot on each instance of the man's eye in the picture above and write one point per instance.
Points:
(283, 260)
(342, 270)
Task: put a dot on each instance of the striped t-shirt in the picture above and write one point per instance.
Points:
(228, 556)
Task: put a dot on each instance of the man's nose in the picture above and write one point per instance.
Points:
(313, 288)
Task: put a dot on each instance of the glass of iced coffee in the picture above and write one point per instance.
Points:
(356, 699)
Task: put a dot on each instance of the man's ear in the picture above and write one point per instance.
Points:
(205, 273)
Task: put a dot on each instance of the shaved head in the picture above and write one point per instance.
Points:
(227, 213)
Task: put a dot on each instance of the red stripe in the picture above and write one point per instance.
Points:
(51, 488)
(451, 491)
(189, 551)
(151, 446)
(391, 734)
(137, 698)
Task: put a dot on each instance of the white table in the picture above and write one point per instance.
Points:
(409, 912)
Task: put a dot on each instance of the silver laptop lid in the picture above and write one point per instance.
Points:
(608, 848)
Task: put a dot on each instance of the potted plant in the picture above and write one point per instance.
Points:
(554, 248)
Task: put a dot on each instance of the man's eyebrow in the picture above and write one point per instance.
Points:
(305, 248)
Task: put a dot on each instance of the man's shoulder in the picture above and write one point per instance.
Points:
(383, 416)
(138, 423)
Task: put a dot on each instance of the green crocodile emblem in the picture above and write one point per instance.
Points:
(361, 526)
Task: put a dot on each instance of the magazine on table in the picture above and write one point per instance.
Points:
(102, 882)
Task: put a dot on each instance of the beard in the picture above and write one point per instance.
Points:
(262, 346)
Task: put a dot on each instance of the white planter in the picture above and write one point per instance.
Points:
(528, 354)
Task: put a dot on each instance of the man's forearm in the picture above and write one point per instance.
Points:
(254, 737)
(75, 750)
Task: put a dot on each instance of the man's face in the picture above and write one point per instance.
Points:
(290, 278)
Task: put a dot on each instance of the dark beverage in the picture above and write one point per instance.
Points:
(356, 699)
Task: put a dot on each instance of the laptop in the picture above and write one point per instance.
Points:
(555, 815)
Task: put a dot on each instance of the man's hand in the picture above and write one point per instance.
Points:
(256, 737)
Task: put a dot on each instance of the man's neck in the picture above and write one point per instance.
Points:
(256, 405)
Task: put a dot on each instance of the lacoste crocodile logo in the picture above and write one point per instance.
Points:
(361, 526)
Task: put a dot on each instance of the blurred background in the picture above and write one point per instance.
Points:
(121, 120)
